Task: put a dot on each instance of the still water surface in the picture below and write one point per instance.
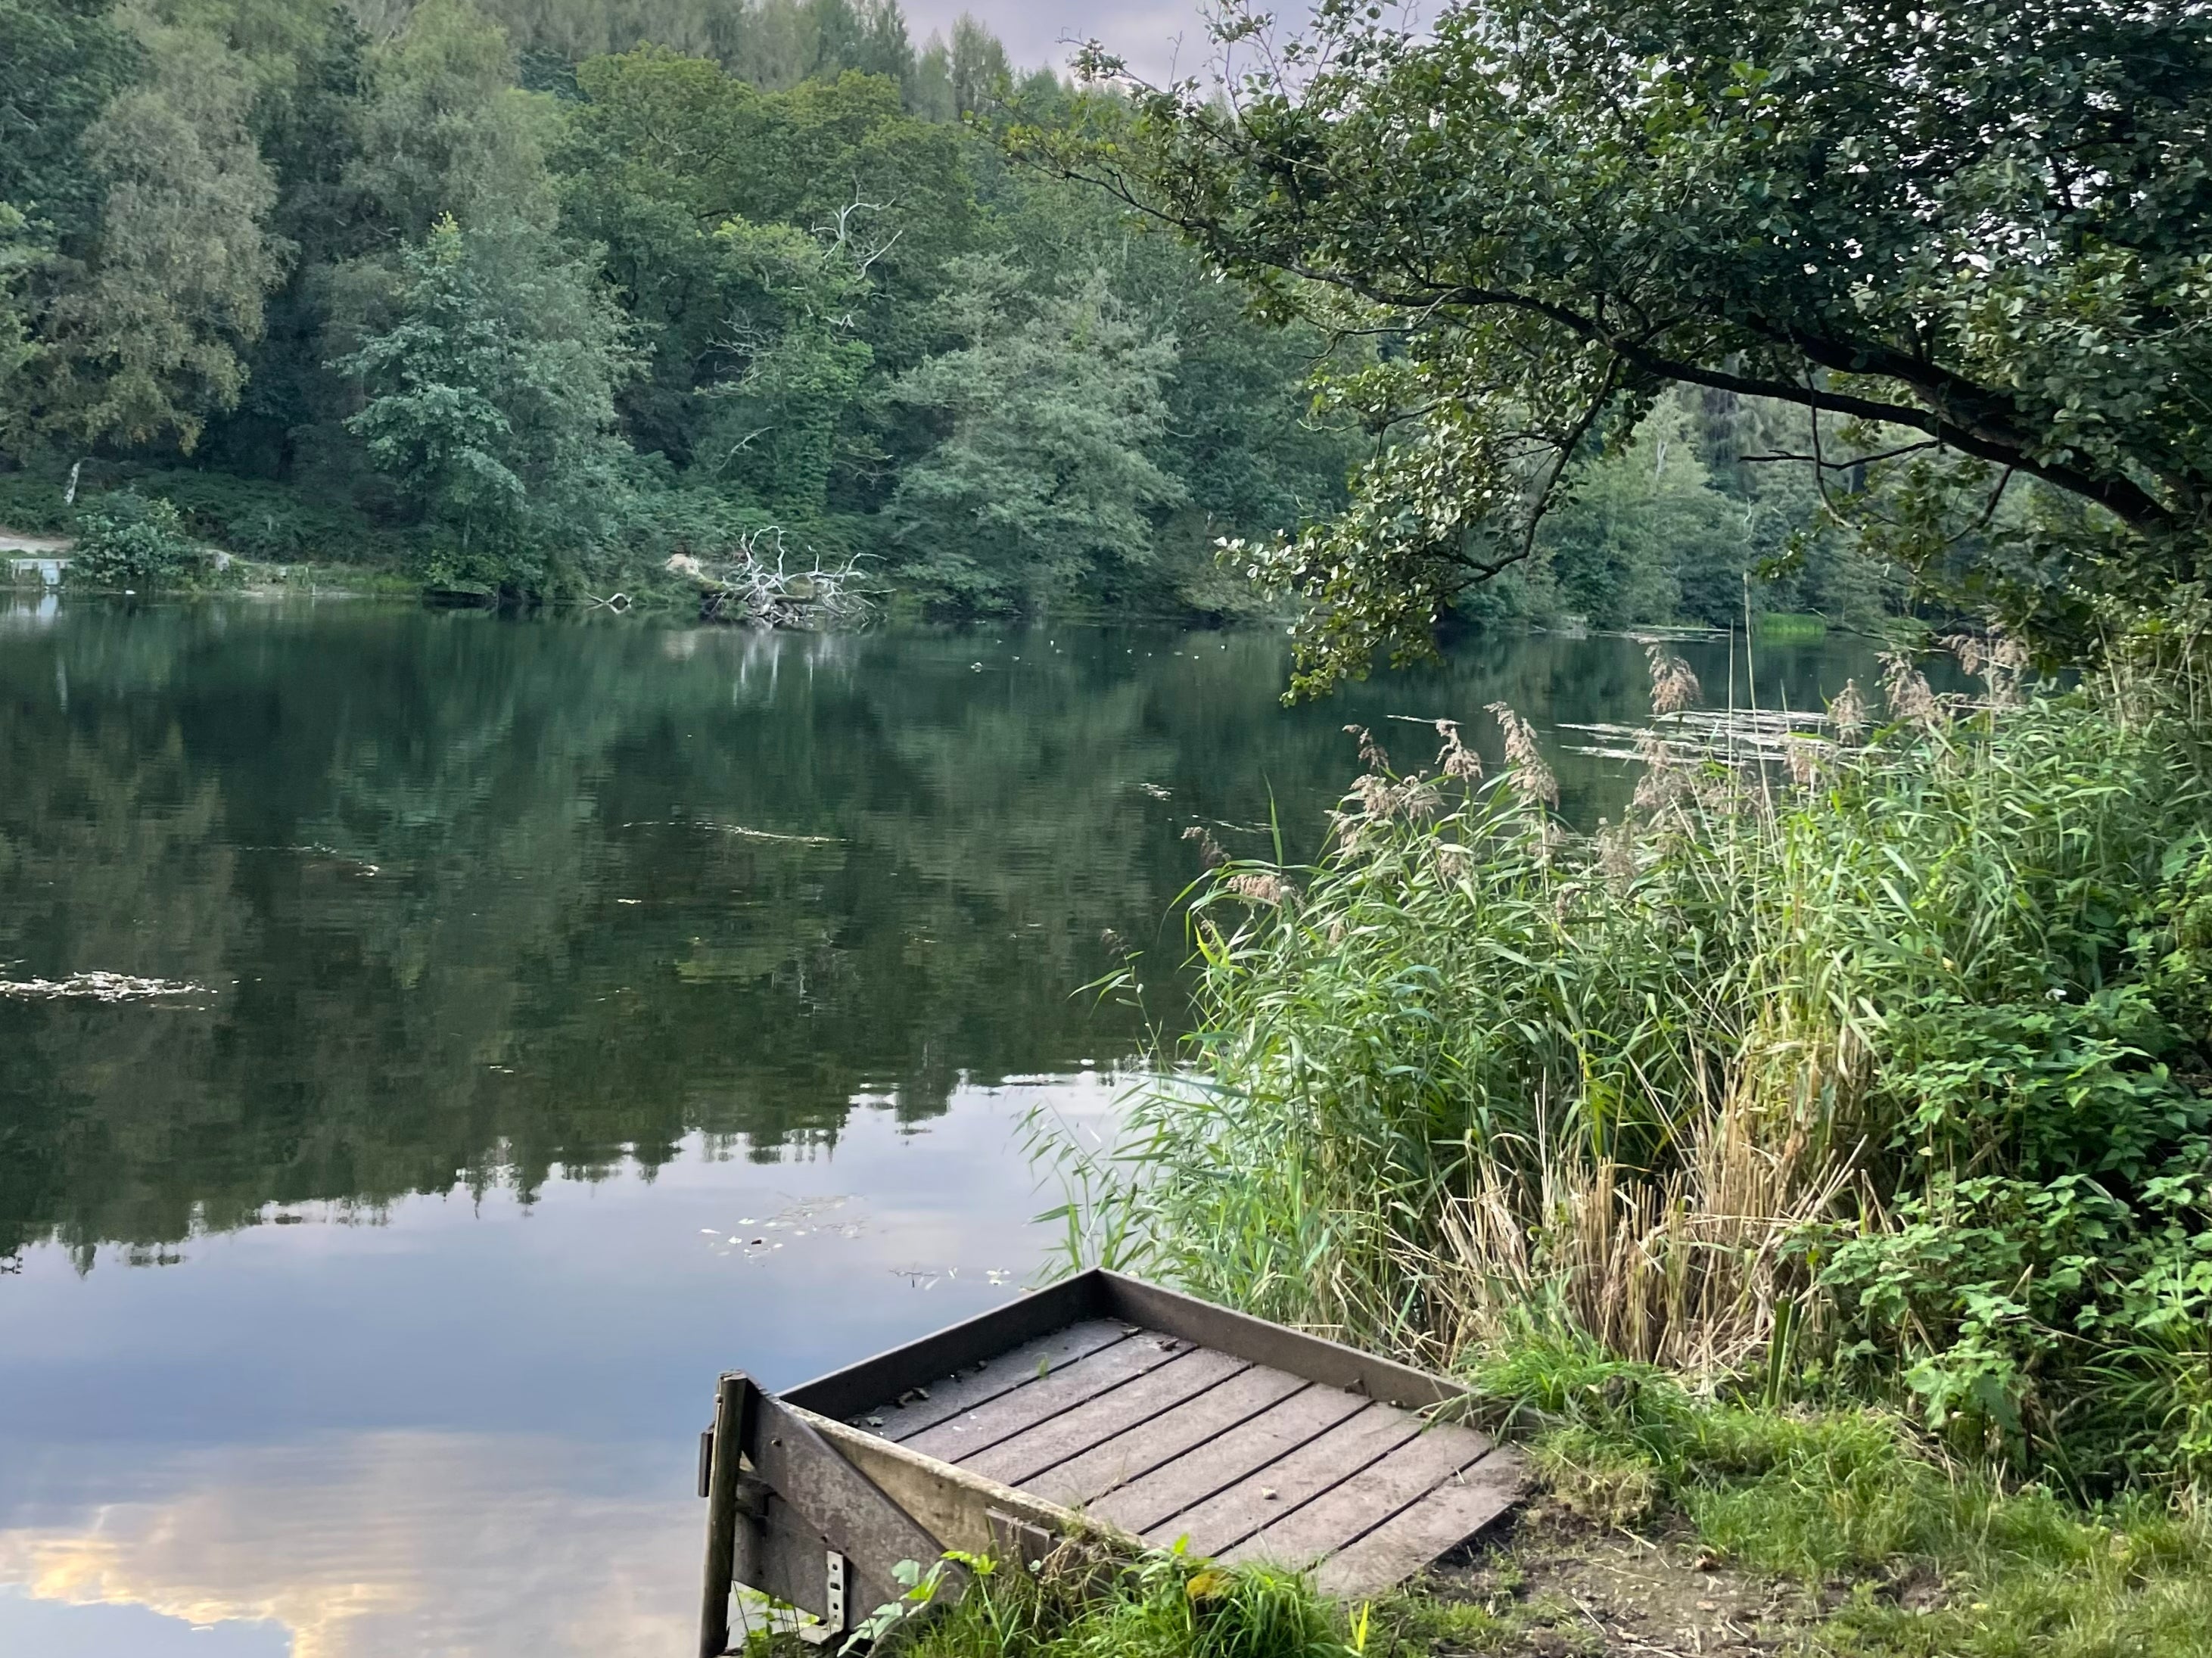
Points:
(580, 1010)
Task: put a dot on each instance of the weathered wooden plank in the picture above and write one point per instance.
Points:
(1149, 1504)
(1355, 1504)
(953, 1505)
(831, 1496)
(752, 1510)
(1267, 1494)
(1310, 1356)
(793, 1567)
(885, 1375)
(1443, 1519)
(1193, 1425)
(1122, 1410)
(789, 1560)
(1004, 1417)
(986, 1379)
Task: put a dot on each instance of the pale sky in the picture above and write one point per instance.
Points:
(1143, 32)
(1159, 39)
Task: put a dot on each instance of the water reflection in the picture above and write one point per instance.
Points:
(449, 1544)
(477, 895)
(588, 1007)
(25, 611)
(452, 1430)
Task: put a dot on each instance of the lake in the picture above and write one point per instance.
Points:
(552, 1014)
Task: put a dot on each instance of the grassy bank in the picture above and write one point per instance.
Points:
(1814, 1164)
(1750, 1530)
(1750, 1527)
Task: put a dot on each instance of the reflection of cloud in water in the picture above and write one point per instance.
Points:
(458, 1544)
(456, 1431)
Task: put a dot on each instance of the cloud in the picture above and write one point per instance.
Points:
(1158, 38)
(384, 1543)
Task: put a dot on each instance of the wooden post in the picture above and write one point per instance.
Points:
(734, 1403)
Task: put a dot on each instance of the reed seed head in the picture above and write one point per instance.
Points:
(1260, 887)
(1371, 754)
(1674, 686)
(1455, 760)
(1805, 757)
(1531, 775)
(1906, 689)
(1848, 713)
(1209, 849)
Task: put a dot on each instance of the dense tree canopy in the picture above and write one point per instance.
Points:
(1973, 235)
(1049, 405)
(153, 337)
(64, 62)
(525, 298)
(491, 396)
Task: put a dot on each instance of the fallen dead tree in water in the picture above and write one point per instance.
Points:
(760, 588)
(100, 987)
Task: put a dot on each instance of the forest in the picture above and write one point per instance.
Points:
(524, 300)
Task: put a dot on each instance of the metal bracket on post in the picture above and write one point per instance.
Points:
(1024, 1542)
(833, 1619)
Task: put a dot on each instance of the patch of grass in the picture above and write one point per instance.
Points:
(1789, 625)
(1413, 1624)
(1165, 1605)
(1926, 1555)
(2026, 1575)
(1160, 1605)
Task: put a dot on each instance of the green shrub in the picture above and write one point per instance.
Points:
(132, 542)
(268, 522)
(1160, 1605)
(31, 504)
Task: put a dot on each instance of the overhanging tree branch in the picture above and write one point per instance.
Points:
(1957, 412)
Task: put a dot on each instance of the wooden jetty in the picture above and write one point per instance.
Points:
(1103, 1410)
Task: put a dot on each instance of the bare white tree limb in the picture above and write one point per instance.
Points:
(762, 587)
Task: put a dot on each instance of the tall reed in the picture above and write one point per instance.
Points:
(1875, 1069)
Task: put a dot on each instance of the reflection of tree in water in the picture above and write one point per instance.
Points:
(566, 953)
(628, 885)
